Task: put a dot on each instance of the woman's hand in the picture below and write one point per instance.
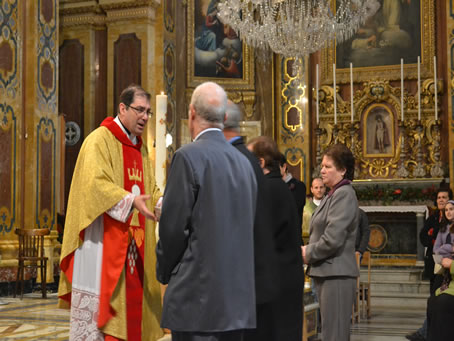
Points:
(303, 253)
(446, 263)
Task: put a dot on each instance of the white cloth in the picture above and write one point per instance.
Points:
(87, 275)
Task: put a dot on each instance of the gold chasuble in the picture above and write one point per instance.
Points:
(109, 167)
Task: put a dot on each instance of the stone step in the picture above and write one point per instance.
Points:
(410, 287)
(397, 275)
(393, 299)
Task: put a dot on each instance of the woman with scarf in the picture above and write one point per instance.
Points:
(331, 249)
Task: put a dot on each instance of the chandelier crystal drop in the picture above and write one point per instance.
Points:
(294, 28)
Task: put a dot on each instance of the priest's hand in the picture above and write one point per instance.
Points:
(140, 204)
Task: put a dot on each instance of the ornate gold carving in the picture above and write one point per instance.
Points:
(125, 4)
(246, 98)
(82, 20)
(421, 139)
(135, 14)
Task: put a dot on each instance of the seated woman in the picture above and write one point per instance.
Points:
(440, 307)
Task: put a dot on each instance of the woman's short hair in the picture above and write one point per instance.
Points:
(342, 158)
(265, 147)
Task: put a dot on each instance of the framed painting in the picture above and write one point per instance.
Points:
(215, 52)
(378, 131)
(399, 29)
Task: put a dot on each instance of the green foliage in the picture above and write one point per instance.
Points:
(389, 195)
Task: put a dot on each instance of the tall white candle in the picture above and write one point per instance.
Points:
(351, 89)
(419, 88)
(402, 89)
(316, 96)
(334, 93)
(161, 151)
(435, 88)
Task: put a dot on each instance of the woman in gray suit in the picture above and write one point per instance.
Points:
(331, 249)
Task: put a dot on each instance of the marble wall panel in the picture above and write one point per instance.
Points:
(127, 63)
(71, 102)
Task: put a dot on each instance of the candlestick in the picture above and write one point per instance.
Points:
(435, 88)
(160, 138)
(334, 93)
(419, 88)
(316, 95)
(351, 89)
(402, 89)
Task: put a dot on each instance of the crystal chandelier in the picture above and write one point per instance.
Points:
(294, 28)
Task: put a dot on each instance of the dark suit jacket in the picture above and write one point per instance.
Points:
(331, 248)
(287, 234)
(298, 190)
(363, 233)
(206, 247)
(266, 270)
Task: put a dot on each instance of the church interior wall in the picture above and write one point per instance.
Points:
(72, 58)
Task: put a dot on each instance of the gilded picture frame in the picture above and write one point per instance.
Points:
(378, 131)
(376, 49)
(215, 53)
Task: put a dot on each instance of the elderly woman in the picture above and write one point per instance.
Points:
(440, 307)
(331, 249)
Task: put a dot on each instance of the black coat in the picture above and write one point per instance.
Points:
(298, 190)
(266, 271)
(427, 236)
(287, 233)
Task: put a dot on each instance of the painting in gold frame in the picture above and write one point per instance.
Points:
(215, 53)
(389, 35)
(378, 131)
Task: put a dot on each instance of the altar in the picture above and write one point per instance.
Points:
(394, 238)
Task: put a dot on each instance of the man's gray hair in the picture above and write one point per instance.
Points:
(234, 116)
(210, 102)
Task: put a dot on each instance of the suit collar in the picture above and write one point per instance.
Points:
(208, 130)
(238, 140)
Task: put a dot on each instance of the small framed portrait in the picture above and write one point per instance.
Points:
(378, 131)
(215, 52)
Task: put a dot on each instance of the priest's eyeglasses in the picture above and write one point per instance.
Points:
(140, 111)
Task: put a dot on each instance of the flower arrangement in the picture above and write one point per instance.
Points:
(389, 195)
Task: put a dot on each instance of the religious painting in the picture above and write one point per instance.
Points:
(215, 52)
(378, 129)
(399, 29)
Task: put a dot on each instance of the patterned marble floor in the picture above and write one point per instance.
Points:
(34, 318)
(388, 324)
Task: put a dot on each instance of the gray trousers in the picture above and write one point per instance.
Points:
(336, 296)
(234, 335)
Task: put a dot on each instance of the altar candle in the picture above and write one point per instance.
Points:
(351, 89)
(161, 110)
(402, 89)
(334, 93)
(435, 88)
(419, 88)
(316, 95)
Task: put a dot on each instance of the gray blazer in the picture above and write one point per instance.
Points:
(205, 252)
(331, 248)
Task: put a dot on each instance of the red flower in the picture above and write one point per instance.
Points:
(430, 232)
(398, 191)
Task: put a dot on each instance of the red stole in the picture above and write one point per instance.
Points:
(123, 246)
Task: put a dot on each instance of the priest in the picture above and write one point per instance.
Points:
(107, 257)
